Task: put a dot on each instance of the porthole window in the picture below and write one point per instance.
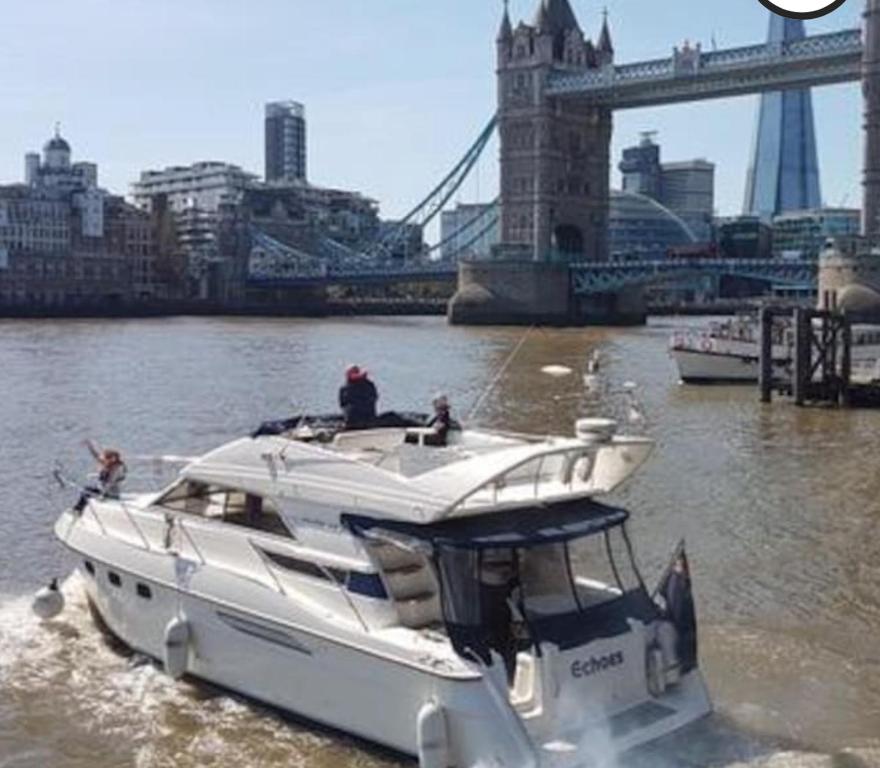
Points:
(144, 591)
(114, 579)
(90, 569)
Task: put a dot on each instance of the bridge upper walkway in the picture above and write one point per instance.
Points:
(692, 74)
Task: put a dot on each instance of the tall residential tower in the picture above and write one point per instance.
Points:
(784, 170)
(285, 141)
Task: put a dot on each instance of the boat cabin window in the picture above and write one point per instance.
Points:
(228, 505)
(602, 567)
(566, 592)
(562, 574)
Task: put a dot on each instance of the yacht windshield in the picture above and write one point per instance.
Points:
(563, 574)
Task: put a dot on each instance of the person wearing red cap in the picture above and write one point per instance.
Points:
(357, 398)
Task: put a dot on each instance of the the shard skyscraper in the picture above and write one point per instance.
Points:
(784, 169)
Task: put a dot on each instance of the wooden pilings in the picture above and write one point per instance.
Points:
(768, 331)
(819, 369)
(801, 356)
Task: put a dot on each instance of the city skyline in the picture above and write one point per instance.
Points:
(393, 102)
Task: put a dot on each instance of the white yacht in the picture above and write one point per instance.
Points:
(468, 605)
(727, 352)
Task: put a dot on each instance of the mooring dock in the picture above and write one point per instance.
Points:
(823, 367)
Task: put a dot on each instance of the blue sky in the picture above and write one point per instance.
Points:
(395, 90)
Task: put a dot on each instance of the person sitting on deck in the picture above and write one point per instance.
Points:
(357, 398)
(436, 430)
(441, 421)
(111, 473)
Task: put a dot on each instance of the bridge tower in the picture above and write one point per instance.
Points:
(554, 153)
(871, 93)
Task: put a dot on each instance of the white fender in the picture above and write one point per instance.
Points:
(48, 602)
(176, 646)
(433, 739)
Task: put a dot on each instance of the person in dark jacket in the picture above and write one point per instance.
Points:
(436, 429)
(679, 599)
(357, 398)
(441, 422)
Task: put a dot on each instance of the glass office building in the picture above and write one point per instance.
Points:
(784, 171)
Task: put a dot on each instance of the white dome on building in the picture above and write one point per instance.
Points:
(56, 152)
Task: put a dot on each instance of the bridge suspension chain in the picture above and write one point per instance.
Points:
(433, 203)
(274, 259)
(488, 217)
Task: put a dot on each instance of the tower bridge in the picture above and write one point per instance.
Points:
(557, 90)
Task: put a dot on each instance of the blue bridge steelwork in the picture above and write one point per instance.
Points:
(692, 74)
(443, 272)
(587, 277)
(609, 277)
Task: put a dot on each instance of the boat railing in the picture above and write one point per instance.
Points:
(91, 496)
(265, 562)
(177, 521)
(327, 572)
(564, 471)
(131, 519)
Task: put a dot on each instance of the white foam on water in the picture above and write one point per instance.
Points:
(126, 702)
(64, 670)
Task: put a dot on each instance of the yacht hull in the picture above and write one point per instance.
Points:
(252, 611)
(378, 700)
(699, 367)
(259, 653)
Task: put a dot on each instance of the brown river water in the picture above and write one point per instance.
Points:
(780, 508)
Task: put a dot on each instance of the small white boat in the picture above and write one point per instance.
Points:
(468, 605)
(727, 352)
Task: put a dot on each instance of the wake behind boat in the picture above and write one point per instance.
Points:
(471, 604)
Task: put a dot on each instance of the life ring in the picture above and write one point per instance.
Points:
(706, 344)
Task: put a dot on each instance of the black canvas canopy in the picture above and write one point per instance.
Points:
(335, 422)
(521, 528)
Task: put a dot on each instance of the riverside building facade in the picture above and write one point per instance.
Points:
(66, 243)
(803, 234)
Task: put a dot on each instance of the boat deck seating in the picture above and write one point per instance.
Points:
(411, 584)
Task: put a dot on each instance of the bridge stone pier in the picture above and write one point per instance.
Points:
(525, 292)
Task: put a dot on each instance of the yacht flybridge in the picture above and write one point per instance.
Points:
(468, 605)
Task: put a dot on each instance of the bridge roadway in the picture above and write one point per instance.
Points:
(692, 74)
(441, 273)
(610, 277)
(586, 277)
